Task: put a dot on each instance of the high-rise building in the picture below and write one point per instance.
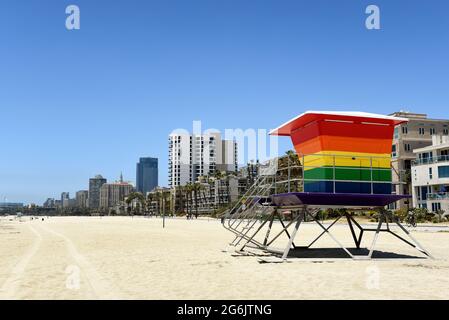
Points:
(229, 159)
(192, 156)
(146, 174)
(49, 203)
(415, 134)
(64, 196)
(82, 199)
(65, 199)
(111, 194)
(94, 191)
(68, 203)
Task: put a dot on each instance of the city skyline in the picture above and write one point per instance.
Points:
(137, 72)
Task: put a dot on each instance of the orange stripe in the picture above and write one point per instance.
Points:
(350, 130)
(336, 143)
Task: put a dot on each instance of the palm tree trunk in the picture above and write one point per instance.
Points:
(196, 202)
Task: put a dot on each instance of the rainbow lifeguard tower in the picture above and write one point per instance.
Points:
(346, 164)
(343, 152)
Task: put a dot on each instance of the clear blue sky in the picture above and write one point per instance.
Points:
(77, 103)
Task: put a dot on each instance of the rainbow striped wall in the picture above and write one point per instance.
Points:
(343, 152)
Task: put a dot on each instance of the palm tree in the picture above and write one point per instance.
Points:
(228, 187)
(164, 195)
(189, 190)
(211, 182)
(149, 202)
(289, 168)
(180, 190)
(136, 195)
(250, 171)
(156, 199)
(296, 168)
(219, 176)
(196, 187)
(203, 196)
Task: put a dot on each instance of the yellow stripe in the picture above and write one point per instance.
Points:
(347, 159)
(352, 154)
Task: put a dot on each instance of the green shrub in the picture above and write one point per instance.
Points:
(401, 214)
(322, 215)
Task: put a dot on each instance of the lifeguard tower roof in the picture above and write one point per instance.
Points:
(353, 116)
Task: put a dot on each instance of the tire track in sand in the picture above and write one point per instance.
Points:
(9, 287)
(100, 287)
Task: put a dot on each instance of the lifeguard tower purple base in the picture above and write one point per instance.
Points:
(346, 164)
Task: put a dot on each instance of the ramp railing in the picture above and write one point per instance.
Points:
(253, 204)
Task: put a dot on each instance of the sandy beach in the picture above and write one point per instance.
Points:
(134, 258)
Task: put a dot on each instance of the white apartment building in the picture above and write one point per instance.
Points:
(416, 133)
(191, 156)
(430, 175)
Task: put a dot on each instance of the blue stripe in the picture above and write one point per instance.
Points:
(347, 187)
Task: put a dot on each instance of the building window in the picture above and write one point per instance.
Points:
(424, 192)
(430, 173)
(443, 172)
(446, 131)
(404, 130)
(393, 151)
(432, 131)
(421, 131)
(436, 206)
(396, 133)
(407, 147)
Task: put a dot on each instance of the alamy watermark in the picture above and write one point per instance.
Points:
(252, 144)
(72, 281)
(372, 22)
(372, 277)
(73, 20)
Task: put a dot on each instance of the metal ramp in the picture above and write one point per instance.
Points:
(254, 206)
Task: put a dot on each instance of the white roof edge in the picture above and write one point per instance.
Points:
(343, 113)
(431, 147)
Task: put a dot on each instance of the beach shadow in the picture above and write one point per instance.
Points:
(338, 253)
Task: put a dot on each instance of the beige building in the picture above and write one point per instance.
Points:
(111, 194)
(82, 199)
(415, 134)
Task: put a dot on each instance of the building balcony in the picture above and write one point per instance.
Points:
(418, 162)
(438, 196)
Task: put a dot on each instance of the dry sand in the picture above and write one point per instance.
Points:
(134, 258)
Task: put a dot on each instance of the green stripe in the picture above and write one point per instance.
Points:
(342, 173)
